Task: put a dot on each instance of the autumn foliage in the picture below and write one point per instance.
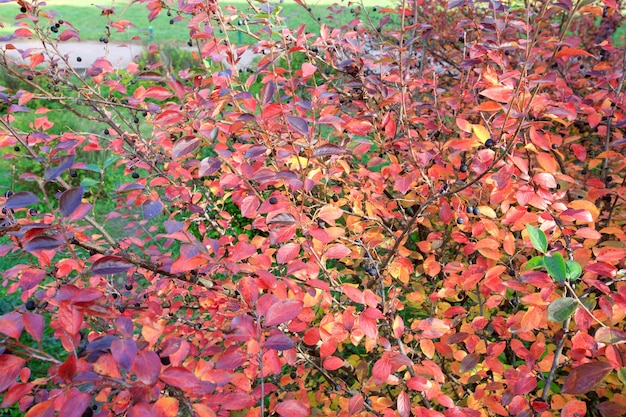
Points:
(419, 214)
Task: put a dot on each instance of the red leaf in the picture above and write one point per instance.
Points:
(525, 385)
(499, 94)
(585, 378)
(404, 404)
(75, 404)
(11, 324)
(70, 317)
(11, 367)
(293, 408)
(287, 253)
(433, 328)
(332, 363)
(43, 409)
(34, 324)
(279, 342)
(147, 366)
(353, 293)
(67, 370)
(337, 251)
(355, 404)
(545, 180)
(381, 370)
(566, 51)
(15, 393)
(22, 33)
(68, 34)
(179, 377)
(282, 311)
(158, 93)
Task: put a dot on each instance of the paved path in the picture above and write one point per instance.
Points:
(120, 55)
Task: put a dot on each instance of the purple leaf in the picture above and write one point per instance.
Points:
(209, 166)
(185, 146)
(65, 163)
(268, 92)
(279, 342)
(70, 200)
(299, 124)
(151, 208)
(21, 199)
(109, 265)
(328, 149)
(42, 243)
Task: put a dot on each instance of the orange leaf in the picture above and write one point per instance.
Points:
(165, 407)
(574, 408)
(547, 162)
(431, 266)
(566, 51)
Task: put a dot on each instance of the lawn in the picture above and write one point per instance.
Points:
(92, 25)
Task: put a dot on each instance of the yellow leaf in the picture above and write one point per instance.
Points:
(481, 133)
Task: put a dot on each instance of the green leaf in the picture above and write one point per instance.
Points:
(574, 270)
(621, 374)
(559, 310)
(534, 263)
(537, 238)
(555, 265)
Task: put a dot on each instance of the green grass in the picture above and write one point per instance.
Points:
(91, 24)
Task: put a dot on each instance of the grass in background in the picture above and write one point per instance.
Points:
(92, 25)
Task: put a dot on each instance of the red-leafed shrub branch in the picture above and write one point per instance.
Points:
(418, 212)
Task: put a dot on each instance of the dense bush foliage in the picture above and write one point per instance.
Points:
(418, 214)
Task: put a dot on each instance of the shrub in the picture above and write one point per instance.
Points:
(418, 214)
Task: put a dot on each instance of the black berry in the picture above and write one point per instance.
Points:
(73, 173)
(135, 175)
(30, 305)
(511, 272)
(469, 209)
(463, 168)
(23, 9)
(273, 200)
(171, 21)
(165, 360)
(121, 309)
(128, 286)
(489, 143)
(189, 43)
(29, 77)
(476, 211)
(16, 148)
(459, 220)
(54, 29)
(87, 413)
(106, 131)
(61, 21)
(136, 120)
(8, 193)
(32, 211)
(79, 59)
(335, 198)
(293, 375)
(555, 146)
(609, 179)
